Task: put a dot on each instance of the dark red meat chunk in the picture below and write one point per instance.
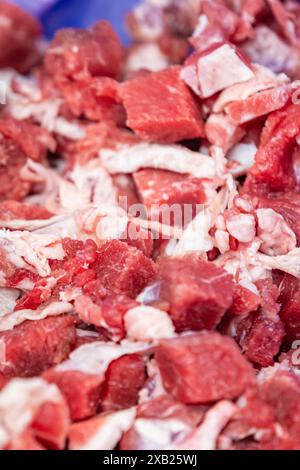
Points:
(78, 53)
(282, 392)
(203, 367)
(198, 292)
(244, 301)
(33, 140)
(264, 341)
(123, 269)
(35, 346)
(161, 189)
(161, 108)
(289, 299)
(81, 391)
(273, 162)
(124, 378)
(51, 425)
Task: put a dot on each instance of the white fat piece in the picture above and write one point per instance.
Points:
(144, 323)
(20, 400)
(94, 358)
(221, 69)
(164, 157)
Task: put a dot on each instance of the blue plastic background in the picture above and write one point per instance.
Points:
(79, 13)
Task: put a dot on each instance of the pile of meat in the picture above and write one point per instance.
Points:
(122, 324)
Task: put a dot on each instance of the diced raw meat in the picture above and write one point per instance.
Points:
(203, 367)
(102, 432)
(77, 53)
(244, 301)
(123, 269)
(161, 189)
(35, 346)
(260, 104)
(123, 380)
(273, 162)
(81, 391)
(51, 424)
(198, 292)
(281, 390)
(33, 407)
(217, 23)
(289, 299)
(138, 237)
(264, 341)
(18, 38)
(269, 294)
(90, 99)
(221, 131)
(219, 68)
(30, 138)
(161, 108)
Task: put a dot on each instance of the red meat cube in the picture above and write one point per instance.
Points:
(161, 189)
(139, 238)
(244, 301)
(84, 98)
(78, 53)
(123, 269)
(35, 346)
(282, 392)
(273, 162)
(264, 341)
(259, 104)
(81, 391)
(51, 425)
(33, 140)
(198, 292)
(203, 367)
(124, 378)
(289, 299)
(161, 108)
(18, 38)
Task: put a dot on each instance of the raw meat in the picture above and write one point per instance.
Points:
(161, 108)
(197, 292)
(203, 367)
